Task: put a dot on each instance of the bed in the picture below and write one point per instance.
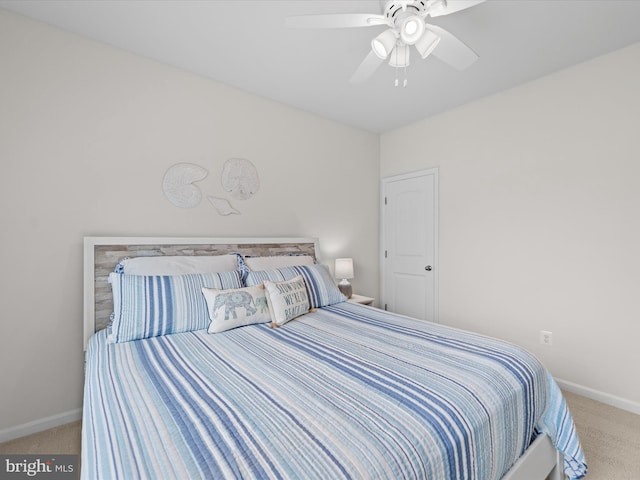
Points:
(342, 391)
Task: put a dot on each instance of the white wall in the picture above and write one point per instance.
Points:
(539, 217)
(86, 134)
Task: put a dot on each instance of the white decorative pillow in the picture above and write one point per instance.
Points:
(236, 307)
(287, 299)
(179, 265)
(269, 263)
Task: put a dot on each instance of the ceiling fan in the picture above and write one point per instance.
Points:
(407, 22)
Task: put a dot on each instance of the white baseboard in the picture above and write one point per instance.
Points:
(40, 425)
(613, 400)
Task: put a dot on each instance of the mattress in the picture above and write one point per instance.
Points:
(347, 391)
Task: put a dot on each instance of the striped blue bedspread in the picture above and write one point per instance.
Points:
(344, 392)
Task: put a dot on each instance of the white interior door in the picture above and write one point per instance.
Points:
(409, 244)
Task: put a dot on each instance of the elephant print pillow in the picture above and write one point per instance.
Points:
(236, 307)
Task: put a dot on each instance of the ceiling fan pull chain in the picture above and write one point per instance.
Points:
(395, 52)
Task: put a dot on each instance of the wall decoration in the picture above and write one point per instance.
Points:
(240, 178)
(178, 184)
(223, 206)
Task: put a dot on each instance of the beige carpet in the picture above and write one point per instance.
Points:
(610, 438)
(60, 440)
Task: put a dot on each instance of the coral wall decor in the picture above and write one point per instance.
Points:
(222, 206)
(178, 184)
(240, 178)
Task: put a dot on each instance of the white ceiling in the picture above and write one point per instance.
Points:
(244, 43)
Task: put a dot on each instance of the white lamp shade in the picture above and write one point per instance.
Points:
(384, 43)
(344, 268)
(400, 56)
(427, 42)
(411, 29)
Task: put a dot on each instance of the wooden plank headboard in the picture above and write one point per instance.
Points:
(101, 254)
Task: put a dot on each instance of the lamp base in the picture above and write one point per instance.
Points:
(345, 288)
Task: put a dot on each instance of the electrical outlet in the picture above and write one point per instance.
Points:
(546, 338)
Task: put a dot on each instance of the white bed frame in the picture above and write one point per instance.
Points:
(540, 461)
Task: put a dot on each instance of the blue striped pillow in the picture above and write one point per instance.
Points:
(150, 306)
(321, 289)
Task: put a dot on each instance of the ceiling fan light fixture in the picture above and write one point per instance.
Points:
(399, 58)
(427, 43)
(406, 22)
(384, 43)
(411, 29)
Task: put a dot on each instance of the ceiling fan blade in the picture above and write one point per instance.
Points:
(369, 65)
(453, 6)
(451, 50)
(336, 20)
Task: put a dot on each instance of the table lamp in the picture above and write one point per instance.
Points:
(344, 271)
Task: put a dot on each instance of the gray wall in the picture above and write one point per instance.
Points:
(86, 134)
(539, 218)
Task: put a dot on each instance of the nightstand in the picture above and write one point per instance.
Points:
(361, 299)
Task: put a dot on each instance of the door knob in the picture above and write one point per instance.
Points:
(428, 268)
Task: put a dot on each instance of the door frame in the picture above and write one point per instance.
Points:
(436, 232)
